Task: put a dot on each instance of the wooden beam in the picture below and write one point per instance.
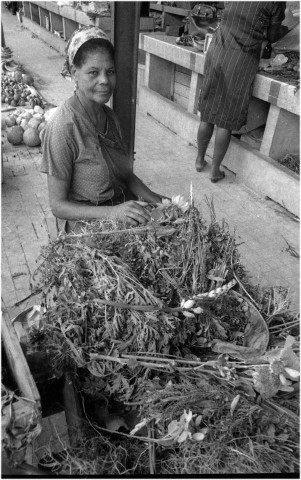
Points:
(17, 362)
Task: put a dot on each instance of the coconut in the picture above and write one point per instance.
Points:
(31, 137)
(15, 135)
(10, 120)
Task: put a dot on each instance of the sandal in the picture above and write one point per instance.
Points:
(217, 179)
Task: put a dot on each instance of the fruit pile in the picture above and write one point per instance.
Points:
(24, 126)
(17, 90)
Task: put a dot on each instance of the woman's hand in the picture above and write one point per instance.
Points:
(131, 212)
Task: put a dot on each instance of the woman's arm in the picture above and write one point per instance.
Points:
(138, 188)
(130, 212)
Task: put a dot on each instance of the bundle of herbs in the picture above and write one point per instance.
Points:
(148, 322)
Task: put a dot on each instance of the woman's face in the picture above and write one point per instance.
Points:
(96, 78)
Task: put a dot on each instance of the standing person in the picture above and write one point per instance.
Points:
(89, 173)
(230, 68)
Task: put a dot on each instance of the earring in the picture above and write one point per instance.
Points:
(75, 86)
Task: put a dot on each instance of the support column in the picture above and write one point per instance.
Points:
(125, 36)
(281, 135)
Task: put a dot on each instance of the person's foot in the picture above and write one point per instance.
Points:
(199, 166)
(218, 177)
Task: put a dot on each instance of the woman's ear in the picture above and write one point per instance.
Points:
(73, 73)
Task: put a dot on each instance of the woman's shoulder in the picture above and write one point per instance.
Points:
(62, 114)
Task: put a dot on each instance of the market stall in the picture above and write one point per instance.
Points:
(172, 79)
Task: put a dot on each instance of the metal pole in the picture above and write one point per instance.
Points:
(125, 36)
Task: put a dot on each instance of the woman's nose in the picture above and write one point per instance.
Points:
(103, 78)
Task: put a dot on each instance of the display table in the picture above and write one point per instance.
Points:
(61, 21)
(172, 81)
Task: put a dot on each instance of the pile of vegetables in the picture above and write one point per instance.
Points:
(285, 65)
(179, 361)
(17, 90)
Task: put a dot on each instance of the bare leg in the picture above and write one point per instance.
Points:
(222, 140)
(205, 132)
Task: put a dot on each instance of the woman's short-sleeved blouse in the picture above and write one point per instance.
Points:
(95, 164)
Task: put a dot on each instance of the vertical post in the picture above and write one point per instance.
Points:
(2, 36)
(30, 9)
(40, 17)
(64, 28)
(125, 36)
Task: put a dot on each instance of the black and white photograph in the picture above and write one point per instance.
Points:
(150, 255)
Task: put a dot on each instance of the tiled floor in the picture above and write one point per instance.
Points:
(163, 160)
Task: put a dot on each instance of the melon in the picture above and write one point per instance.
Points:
(10, 120)
(26, 115)
(31, 137)
(15, 135)
(34, 123)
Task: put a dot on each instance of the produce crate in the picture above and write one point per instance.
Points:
(21, 412)
(60, 414)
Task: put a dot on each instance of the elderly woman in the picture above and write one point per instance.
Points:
(84, 156)
(230, 68)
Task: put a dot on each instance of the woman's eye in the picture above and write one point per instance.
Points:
(94, 73)
(111, 71)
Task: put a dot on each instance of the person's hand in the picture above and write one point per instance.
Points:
(132, 212)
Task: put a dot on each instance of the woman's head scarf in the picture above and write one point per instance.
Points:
(77, 39)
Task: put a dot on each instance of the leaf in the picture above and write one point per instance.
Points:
(237, 351)
(139, 426)
(219, 328)
(198, 420)
(132, 363)
(282, 437)
(215, 279)
(256, 334)
(234, 404)
(173, 427)
(265, 382)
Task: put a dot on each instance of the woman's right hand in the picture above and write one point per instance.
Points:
(131, 212)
